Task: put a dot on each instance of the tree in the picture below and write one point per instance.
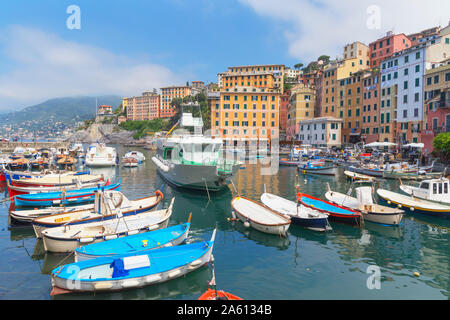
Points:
(324, 58)
(298, 65)
(441, 143)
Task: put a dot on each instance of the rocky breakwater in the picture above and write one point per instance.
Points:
(105, 133)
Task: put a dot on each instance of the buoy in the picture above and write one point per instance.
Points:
(412, 208)
(416, 274)
(399, 206)
(228, 219)
(246, 224)
(389, 202)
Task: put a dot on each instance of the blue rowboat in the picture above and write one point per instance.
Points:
(56, 198)
(131, 270)
(16, 175)
(335, 212)
(137, 244)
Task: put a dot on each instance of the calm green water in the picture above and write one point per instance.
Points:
(254, 265)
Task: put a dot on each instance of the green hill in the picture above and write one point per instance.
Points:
(67, 110)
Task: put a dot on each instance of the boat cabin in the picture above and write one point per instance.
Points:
(436, 189)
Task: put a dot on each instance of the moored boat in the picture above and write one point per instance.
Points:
(300, 215)
(260, 217)
(68, 197)
(437, 190)
(359, 177)
(137, 244)
(68, 238)
(364, 204)
(335, 212)
(99, 211)
(132, 271)
(414, 204)
(317, 168)
(212, 294)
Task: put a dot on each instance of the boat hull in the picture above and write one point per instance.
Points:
(195, 176)
(327, 171)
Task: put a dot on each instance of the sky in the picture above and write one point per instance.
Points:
(126, 47)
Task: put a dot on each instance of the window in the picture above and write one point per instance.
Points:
(428, 81)
(406, 72)
(416, 97)
(417, 82)
(417, 68)
(436, 79)
(418, 55)
(406, 59)
(405, 85)
(405, 113)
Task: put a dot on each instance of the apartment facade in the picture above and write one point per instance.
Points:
(301, 107)
(406, 70)
(385, 47)
(246, 116)
(437, 103)
(246, 73)
(167, 95)
(321, 132)
(145, 107)
(370, 125)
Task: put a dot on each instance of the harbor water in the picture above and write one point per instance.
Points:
(339, 264)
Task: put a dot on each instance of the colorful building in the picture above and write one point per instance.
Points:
(252, 74)
(385, 47)
(321, 132)
(406, 70)
(301, 107)
(145, 107)
(167, 95)
(437, 103)
(370, 125)
(246, 116)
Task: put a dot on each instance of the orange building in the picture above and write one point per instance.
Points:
(167, 95)
(370, 126)
(145, 107)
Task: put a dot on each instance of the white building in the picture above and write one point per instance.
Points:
(291, 73)
(321, 132)
(405, 70)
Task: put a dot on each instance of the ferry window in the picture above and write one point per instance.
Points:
(445, 187)
(434, 188)
(424, 185)
(440, 188)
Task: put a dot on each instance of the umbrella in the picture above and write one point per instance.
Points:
(380, 144)
(414, 145)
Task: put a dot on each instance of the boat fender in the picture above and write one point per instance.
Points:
(412, 208)
(159, 194)
(399, 206)
(84, 240)
(389, 201)
(247, 224)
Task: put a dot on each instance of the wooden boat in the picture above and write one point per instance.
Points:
(300, 215)
(27, 215)
(66, 161)
(14, 190)
(414, 204)
(56, 180)
(39, 163)
(69, 197)
(212, 294)
(131, 270)
(101, 212)
(335, 212)
(259, 216)
(288, 162)
(137, 244)
(18, 164)
(437, 190)
(68, 238)
(359, 177)
(364, 204)
(310, 168)
(130, 162)
(374, 172)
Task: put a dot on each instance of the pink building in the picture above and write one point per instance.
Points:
(387, 46)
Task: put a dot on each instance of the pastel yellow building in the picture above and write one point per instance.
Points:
(167, 95)
(145, 107)
(301, 107)
(246, 116)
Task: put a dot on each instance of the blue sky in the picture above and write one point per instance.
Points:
(125, 47)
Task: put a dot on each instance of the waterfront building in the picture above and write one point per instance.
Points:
(406, 70)
(423, 36)
(358, 54)
(145, 107)
(370, 125)
(437, 103)
(388, 112)
(284, 110)
(301, 107)
(167, 95)
(321, 132)
(245, 116)
(385, 47)
(259, 76)
(349, 106)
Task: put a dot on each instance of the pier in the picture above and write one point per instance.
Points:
(8, 147)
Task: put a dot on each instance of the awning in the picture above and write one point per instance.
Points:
(380, 144)
(414, 145)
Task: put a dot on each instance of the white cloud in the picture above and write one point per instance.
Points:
(45, 66)
(316, 27)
